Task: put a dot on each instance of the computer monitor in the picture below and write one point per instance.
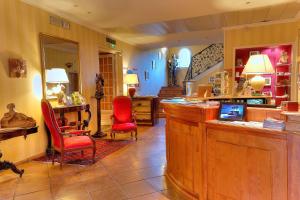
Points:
(232, 111)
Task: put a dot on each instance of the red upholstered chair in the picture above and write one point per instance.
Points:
(123, 119)
(64, 142)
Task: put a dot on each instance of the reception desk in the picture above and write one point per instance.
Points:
(212, 160)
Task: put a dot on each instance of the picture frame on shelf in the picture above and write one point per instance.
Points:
(254, 53)
(239, 62)
(268, 81)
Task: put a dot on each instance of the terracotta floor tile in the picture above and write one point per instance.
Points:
(159, 183)
(100, 183)
(138, 188)
(44, 195)
(109, 194)
(67, 190)
(29, 187)
(76, 196)
(153, 196)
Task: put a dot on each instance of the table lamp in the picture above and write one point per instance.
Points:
(131, 80)
(257, 65)
(59, 76)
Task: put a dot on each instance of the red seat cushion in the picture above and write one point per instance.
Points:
(77, 142)
(124, 127)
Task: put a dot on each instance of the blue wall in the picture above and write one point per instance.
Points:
(157, 75)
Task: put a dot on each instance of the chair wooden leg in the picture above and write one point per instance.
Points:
(53, 154)
(111, 135)
(94, 153)
(82, 153)
(61, 159)
(131, 133)
(136, 133)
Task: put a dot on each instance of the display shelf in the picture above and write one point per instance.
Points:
(281, 59)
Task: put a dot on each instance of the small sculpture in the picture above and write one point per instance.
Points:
(99, 86)
(173, 63)
(14, 119)
(283, 58)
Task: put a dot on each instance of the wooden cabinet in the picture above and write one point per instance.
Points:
(182, 145)
(243, 165)
(145, 109)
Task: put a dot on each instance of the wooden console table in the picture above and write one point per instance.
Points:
(8, 133)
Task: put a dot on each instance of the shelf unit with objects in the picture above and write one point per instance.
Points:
(278, 85)
(283, 82)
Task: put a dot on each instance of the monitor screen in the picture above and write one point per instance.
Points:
(232, 111)
(255, 101)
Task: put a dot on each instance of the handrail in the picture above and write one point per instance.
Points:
(204, 60)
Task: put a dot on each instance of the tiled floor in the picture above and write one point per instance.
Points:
(135, 172)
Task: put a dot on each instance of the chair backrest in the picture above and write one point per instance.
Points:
(49, 118)
(122, 109)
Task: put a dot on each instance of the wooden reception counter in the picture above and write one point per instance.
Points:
(212, 160)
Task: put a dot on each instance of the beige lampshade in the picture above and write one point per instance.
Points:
(131, 79)
(56, 75)
(258, 64)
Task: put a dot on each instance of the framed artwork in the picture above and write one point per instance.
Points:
(146, 74)
(253, 53)
(159, 55)
(268, 81)
(153, 64)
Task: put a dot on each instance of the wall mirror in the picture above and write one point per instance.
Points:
(60, 66)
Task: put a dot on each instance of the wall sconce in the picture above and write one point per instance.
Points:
(17, 68)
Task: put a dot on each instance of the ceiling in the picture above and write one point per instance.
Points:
(158, 23)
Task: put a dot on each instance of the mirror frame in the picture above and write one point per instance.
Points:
(43, 67)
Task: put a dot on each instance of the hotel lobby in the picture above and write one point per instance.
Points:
(158, 100)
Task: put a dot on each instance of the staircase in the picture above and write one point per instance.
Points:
(204, 60)
(166, 93)
(200, 62)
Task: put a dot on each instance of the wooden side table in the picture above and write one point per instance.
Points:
(146, 110)
(7, 133)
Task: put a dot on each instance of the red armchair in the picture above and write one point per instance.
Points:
(123, 119)
(64, 142)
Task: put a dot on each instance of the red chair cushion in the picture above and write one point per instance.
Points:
(124, 127)
(77, 142)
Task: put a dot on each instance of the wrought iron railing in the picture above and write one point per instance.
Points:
(204, 60)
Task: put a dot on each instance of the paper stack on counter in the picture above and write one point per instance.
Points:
(274, 124)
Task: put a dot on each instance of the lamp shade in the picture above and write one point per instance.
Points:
(131, 79)
(56, 75)
(258, 64)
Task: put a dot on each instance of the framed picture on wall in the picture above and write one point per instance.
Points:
(146, 74)
(253, 53)
(153, 64)
(268, 81)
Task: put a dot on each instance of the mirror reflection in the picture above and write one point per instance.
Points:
(60, 67)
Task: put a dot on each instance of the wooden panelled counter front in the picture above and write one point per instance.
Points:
(212, 160)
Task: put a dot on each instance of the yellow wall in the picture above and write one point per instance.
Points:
(271, 34)
(20, 26)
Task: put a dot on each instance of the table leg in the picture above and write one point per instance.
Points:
(4, 165)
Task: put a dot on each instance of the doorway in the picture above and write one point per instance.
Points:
(107, 69)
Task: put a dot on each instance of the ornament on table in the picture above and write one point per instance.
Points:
(283, 59)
